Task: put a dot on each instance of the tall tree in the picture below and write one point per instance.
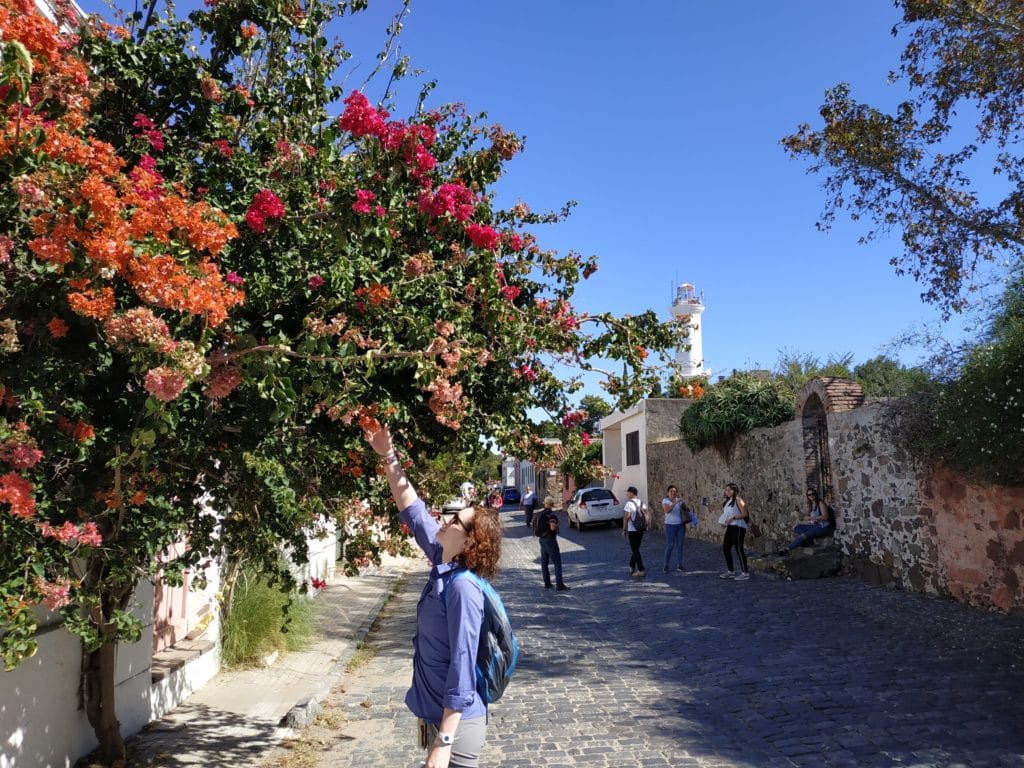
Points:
(596, 408)
(911, 171)
(219, 266)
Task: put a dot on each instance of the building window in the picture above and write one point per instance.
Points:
(633, 448)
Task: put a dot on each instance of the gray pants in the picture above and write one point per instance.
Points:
(469, 740)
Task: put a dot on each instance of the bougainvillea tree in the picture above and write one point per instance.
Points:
(218, 267)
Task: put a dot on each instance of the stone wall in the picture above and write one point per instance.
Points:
(899, 525)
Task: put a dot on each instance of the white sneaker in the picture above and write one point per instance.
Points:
(741, 576)
(727, 575)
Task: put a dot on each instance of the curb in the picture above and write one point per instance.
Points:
(306, 710)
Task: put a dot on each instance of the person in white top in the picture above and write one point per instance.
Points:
(677, 516)
(630, 509)
(734, 518)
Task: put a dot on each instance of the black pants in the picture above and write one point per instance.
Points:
(636, 563)
(529, 513)
(549, 552)
(734, 536)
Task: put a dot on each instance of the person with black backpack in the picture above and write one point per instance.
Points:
(455, 613)
(634, 523)
(545, 527)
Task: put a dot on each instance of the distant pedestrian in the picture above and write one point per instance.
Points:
(546, 527)
(634, 533)
(529, 504)
(677, 516)
(453, 716)
(734, 518)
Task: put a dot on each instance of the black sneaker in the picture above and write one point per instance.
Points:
(563, 588)
(547, 586)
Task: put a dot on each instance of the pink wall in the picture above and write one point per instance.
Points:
(979, 532)
(177, 610)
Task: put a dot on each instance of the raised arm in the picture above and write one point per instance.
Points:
(401, 489)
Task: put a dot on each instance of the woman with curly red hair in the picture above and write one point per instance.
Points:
(453, 717)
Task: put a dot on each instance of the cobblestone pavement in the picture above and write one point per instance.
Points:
(686, 669)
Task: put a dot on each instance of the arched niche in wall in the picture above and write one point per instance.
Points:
(818, 398)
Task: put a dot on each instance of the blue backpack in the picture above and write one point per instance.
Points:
(498, 652)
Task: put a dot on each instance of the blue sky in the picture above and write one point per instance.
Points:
(663, 119)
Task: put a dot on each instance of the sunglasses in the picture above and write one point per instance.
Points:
(452, 518)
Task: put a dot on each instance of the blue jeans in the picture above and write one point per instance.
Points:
(807, 532)
(549, 552)
(675, 536)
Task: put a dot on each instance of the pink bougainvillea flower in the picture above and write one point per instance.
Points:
(585, 438)
(360, 118)
(222, 382)
(363, 199)
(315, 281)
(19, 454)
(224, 147)
(512, 241)
(452, 199)
(165, 384)
(89, 535)
(56, 594)
(482, 236)
(265, 206)
(510, 292)
(233, 278)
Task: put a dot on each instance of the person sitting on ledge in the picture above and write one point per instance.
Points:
(819, 523)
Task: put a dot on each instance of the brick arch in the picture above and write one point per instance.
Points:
(818, 398)
(834, 394)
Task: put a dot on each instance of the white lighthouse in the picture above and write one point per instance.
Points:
(687, 307)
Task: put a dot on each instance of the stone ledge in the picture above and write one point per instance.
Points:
(177, 656)
(802, 563)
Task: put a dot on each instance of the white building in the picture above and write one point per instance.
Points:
(625, 437)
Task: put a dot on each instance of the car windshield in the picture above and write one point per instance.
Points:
(598, 494)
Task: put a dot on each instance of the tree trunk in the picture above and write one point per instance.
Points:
(100, 702)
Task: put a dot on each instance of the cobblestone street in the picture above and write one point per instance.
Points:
(686, 669)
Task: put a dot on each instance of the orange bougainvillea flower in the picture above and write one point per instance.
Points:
(97, 304)
(58, 328)
(110, 215)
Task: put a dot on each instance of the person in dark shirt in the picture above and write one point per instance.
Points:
(546, 528)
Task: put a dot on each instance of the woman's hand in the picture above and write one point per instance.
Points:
(380, 441)
(439, 756)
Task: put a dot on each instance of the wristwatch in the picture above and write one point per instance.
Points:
(445, 739)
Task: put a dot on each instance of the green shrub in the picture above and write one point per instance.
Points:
(262, 619)
(737, 405)
(973, 423)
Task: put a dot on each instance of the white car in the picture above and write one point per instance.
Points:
(593, 505)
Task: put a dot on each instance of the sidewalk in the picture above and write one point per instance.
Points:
(239, 716)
